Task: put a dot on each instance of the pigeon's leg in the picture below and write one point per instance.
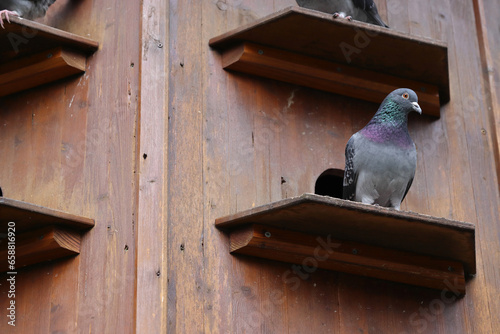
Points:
(396, 207)
(342, 15)
(366, 199)
(6, 13)
(337, 15)
(395, 201)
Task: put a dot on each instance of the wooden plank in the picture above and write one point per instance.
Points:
(76, 151)
(345, 256)
(33, 298)
(360, 45)
(478, 147)
(65, 278)
(108, 267)
(324, 75)
(382, 227)
(224, 141)
(39, 69)
(28, 216)
(489, 41)
(45, 244)
(152, 263)
(489, 50)
(185, 169)
(262, 176)
(22, 37)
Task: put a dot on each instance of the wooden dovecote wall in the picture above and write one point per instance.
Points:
(68, 145)
(156, 141)
(311, 49)
(32, 55)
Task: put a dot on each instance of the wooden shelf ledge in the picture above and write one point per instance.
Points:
(45, 244)
(33, 54)
(363, 61)
(357, 238)
(41, 234)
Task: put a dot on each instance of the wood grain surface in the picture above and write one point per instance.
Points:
(40, 245)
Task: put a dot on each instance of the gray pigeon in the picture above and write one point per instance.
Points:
(28, 9)
(381, 158)
(359, 10)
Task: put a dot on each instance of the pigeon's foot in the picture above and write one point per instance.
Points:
(337, 15)
(6, 13)
(342, 16)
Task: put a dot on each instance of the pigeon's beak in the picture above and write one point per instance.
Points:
(416, 107)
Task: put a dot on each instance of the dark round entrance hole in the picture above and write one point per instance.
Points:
(330, 183)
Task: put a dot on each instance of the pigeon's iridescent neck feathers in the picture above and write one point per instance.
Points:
(389, 125)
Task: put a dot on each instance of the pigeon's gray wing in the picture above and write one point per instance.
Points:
(370, 8)
(7, 4)
(350, 173)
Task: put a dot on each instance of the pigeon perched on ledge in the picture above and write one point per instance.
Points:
(381, 158)
(359, 10)
(28, 9)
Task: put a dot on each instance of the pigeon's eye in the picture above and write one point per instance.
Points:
(405, 96)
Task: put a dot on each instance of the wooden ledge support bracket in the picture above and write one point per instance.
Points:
(44, 244)
(324, 75)
(38, 69)
(349, 257)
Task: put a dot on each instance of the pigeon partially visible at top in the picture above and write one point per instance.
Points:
(381, 158)
(359, 10)
(28, 9)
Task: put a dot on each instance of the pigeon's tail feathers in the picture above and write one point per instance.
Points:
(377, 19)
(370, 8)
(408, 187)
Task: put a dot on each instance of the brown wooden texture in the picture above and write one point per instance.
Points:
(27, 216)
(185, 169)
(45, 244)
(324, 75)
(490, 50)
(313, 214)
(39, 69)
(218, 143)
(357, 44)
(24, 37)
(152, 263)
(71, 146)
(489, 46)
(346, 256)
